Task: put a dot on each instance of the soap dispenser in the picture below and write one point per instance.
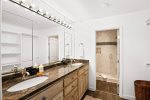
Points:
(41, 68)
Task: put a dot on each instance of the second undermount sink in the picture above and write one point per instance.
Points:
(77, 64)
(27, 84)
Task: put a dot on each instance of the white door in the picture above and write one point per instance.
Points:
(53, 49)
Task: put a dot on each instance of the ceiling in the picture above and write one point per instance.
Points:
(81, 10)
(76, 10)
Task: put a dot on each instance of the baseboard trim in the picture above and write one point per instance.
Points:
(129, 97)
(91, 89)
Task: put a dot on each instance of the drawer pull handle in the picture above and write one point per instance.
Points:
(73, 86)
(43, 98)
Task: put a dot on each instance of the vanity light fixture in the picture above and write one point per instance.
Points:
(41, 12)
(20, 2)
(46, 13)
(54, 19)
(58, 21)
(27, 6)
(64, 23)
(32, 5)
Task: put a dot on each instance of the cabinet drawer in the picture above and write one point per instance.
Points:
(50, 92)
(70, 78)
(58, 97)
(83, 69)
(69, 88)
(73, 95)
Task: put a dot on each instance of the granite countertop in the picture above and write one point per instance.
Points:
(53, 74)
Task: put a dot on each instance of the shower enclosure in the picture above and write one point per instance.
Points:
(107, 60)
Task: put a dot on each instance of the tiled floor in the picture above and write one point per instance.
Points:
(100, 95)
(87, 97)
(104, 91)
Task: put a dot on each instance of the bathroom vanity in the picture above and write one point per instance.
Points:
(65, 82)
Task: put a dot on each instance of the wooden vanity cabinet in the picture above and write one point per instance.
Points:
(53, 92)
(71, 87)
(58, 96)
(76, 84)
(83, 81)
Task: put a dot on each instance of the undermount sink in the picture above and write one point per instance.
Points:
(77, 64)
(27, 84)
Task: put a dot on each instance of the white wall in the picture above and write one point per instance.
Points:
(135, 49)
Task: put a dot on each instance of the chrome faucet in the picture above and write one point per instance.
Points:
(24, 73)
(14, 69)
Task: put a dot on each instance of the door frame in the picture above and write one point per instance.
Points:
(53, 36)
(120, 56)
(0, 50)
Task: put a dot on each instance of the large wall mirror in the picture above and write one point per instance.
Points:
(16, 37)
(28, 39)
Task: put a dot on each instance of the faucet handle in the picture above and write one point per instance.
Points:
(15, 69)
(73, 60)
(23, 72)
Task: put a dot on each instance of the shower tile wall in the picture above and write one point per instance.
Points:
(106, 55)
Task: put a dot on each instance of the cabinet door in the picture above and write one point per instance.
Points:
(73, 95)
(50, 92)
(58, 97)
(81, 85)
(85, 81)
(69, 88)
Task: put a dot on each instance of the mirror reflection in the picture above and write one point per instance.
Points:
(29, 39)
(16, 40)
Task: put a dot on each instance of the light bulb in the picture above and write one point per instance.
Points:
(55, 19)
(33, 5)
(61, 23)
(67, 26)
(27, 6)
(46, 13)
(64, 22)
(21, 1)
(51, 17)
(58, 21)
(40, 10)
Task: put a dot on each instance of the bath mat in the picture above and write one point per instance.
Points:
(87, 97)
